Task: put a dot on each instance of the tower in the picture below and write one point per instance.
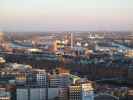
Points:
(1, 36)
(71, 40)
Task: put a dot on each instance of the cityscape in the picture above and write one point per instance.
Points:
(65, 62)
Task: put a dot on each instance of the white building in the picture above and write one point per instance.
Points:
(87, 91)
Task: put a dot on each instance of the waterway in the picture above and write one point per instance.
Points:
(14, 45)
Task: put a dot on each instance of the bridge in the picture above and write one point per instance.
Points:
(104, 96)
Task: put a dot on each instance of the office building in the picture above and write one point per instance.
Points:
(63, 94)
(59, 80)
(82, 91)
(7, 92)
(30, 93)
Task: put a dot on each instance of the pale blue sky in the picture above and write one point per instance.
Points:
(59, 15)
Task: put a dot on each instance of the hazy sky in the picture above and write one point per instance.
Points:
(63, 15)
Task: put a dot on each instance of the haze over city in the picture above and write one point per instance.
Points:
(66, 49)
(66, 15)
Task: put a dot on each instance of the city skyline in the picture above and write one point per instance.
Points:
(70, 15)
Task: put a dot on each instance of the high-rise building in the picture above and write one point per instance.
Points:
(130, 74)
(22, 94)
(36, 78)
(59, 80)
(87, 91)
(30, 93)
(75, 92)
(4, 95)
(7, 92)
(63, 94)
(82, 91)
(41, 78)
